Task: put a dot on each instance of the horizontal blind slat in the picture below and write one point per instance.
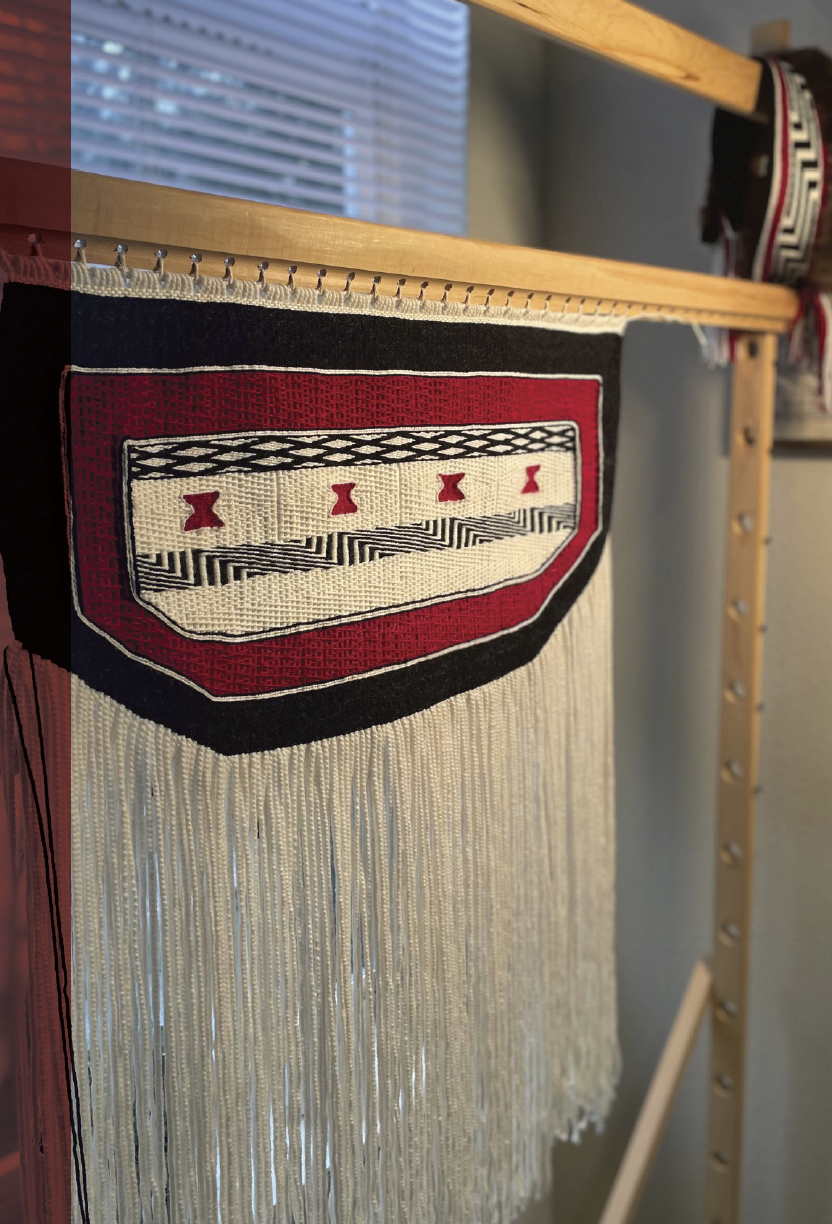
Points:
(337, 105)
(183, 130)
(303, 74)
(91, 65)
(326, 27)
(133, 164)
(386, 164)
(284, 129)
(225, 152)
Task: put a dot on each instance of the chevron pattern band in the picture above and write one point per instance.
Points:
(201, 567)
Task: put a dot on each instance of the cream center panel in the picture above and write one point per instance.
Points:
(250, 553)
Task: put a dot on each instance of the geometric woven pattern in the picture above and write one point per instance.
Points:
(200, 567)
(263, 452)
(785, 245)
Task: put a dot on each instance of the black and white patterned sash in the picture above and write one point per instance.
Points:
(784, 249)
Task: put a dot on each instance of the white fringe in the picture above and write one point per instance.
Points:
(368, 979)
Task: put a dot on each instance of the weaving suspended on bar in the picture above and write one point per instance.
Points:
(768, 209)
(324, 579)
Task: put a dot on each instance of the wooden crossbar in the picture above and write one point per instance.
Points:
(145, 218)
(106, 211)
(648, 44)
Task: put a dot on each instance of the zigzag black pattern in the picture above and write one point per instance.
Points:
(213, 455)
(185, 569)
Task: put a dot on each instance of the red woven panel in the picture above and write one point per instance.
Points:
(105, 409)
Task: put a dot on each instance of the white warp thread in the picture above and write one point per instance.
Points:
(364, 980)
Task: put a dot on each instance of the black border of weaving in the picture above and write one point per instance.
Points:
(136, 333)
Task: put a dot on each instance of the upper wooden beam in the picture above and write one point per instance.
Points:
(648, 44)
(106, 211)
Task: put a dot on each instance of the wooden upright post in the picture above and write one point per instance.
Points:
(752, 419)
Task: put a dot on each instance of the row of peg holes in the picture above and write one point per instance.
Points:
(723, 1086)
(729, 934)
(731, 853)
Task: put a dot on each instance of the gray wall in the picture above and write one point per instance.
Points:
(622, 174)
(507, 132)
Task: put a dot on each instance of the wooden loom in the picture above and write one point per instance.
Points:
(149, 226)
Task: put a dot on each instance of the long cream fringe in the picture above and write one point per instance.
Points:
(365, 980)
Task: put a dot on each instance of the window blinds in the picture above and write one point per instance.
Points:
(354, 107)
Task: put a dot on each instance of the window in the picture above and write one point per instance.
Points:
(352, 107)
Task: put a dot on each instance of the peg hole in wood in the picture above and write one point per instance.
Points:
(736, 691)
(719, 1163)
(729, 934)
(732, 770)
(744, 523)
(726, 1010)
(723, 1084)
(730, 853)
(740, 609)
(749, 435)
(753, 348)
